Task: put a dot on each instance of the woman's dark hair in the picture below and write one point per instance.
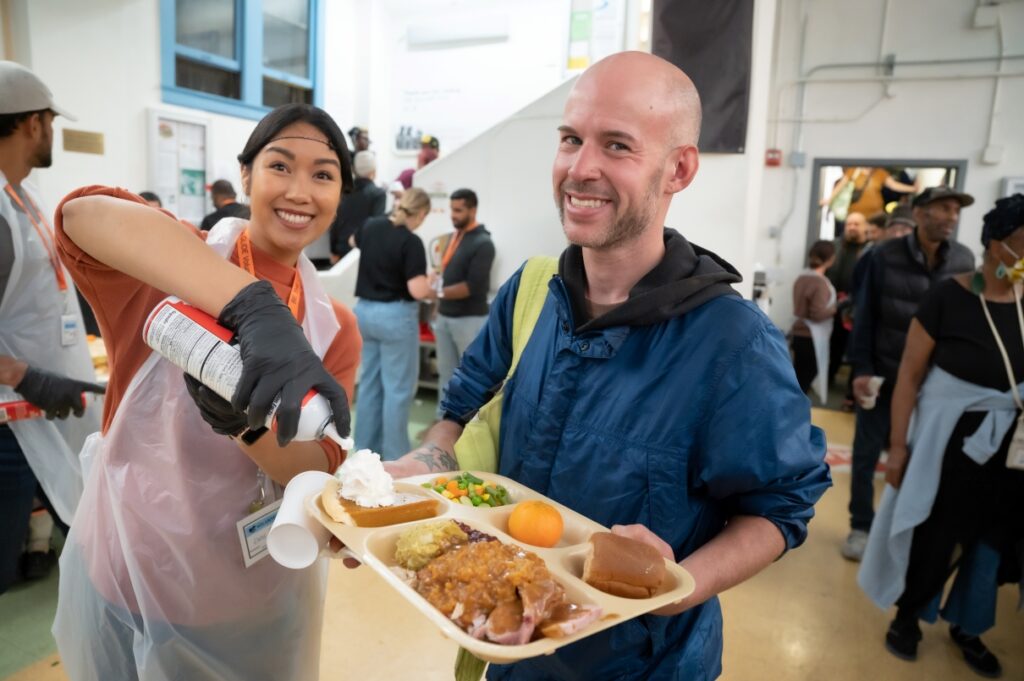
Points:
(287, 114)
(821, 252)
(1003, 220)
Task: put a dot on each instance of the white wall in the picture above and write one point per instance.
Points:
(510, 169)
(491, 80)
(929, 119)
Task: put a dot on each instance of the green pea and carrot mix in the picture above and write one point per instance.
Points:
(470, 490)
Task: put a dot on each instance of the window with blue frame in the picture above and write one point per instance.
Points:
(241, 57)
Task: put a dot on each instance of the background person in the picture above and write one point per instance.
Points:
(360, 138)
(430, 149)
(366, 201)
(151, 199)
(814, 306)
(392, 279)
(43, 354)
(465, 279)
(899, 273)
(225, 205)
(848, 251)
(153, 581)
(960, 340)
(866, 196)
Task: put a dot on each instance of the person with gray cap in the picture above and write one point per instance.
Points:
(899, 274)
(44, 359)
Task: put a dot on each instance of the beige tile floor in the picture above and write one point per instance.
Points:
(802, 619)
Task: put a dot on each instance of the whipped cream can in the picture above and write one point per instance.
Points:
(194, 342)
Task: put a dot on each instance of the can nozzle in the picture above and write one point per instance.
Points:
(345, 443)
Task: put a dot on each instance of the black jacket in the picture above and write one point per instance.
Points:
(896, 280)
(228, 210)
(366, 201)
(841, 272)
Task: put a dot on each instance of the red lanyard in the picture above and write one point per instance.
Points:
(453, 244)
(45, 235)
(243, 248)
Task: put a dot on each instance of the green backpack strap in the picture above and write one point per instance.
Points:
(477, 448)
(533, 291)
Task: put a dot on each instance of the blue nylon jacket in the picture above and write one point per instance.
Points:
(677, 425)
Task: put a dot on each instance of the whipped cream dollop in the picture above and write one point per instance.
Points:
(364, 480)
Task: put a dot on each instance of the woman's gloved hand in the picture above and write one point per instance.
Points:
(56, 395)
(277, 360)
(215, 410)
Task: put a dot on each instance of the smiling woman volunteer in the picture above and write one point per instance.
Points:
(153, 581)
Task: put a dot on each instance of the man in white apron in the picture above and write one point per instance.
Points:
(44, 359)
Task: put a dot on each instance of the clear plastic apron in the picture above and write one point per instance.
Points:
(821, 337)
(153, 584)
(30, 330)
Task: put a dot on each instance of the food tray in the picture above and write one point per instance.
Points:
(375, 546)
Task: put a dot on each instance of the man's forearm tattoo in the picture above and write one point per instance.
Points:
(435, 458)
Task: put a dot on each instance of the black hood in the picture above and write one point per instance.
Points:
(687, 277)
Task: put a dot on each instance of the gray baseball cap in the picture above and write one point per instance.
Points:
(22, 91)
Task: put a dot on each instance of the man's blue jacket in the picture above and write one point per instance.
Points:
(677, 410)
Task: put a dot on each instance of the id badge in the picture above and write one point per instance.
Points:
(69, 329)
(1015, 457)
(253, 530)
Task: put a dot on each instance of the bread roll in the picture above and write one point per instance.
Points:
(623, 567)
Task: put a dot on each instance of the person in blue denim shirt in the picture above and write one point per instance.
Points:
(650, 396)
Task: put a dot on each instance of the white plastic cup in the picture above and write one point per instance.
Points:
(295, 539)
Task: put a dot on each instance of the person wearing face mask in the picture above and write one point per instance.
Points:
(392, 279)
(955, 473)
(154, 584)
(897, 276)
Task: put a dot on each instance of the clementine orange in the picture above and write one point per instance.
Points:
(537, 523)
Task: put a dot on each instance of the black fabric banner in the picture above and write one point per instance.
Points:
(711, 41)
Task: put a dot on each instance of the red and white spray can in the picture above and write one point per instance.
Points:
(194, 342)
(20, 410)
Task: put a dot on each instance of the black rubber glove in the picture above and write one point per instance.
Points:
(215, 410)
(277, 360)
(57, 395)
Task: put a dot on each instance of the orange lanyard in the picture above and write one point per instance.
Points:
(243, 248)
(45, 235)
(453, 244)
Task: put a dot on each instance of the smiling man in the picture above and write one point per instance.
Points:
(650, 397)
(895, 280)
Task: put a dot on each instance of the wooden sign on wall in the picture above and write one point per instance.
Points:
(83, 142)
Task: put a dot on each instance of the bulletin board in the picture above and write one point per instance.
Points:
(179, 163)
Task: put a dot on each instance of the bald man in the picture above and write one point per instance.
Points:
(650, 398)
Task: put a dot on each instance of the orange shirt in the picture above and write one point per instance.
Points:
(122, 304)
(870, 186)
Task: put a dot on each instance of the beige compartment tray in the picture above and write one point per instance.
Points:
(376, 547)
